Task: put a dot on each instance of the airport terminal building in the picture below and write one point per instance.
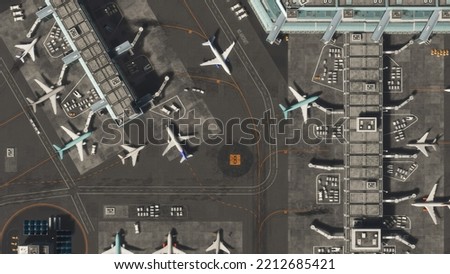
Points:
(88, 48)
(363, 24)
(331, 16)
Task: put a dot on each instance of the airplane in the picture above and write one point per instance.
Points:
(169, 247)
(220, 59)
(27, 49)
(50, 93)
(133, 152)
(218, 245)
(302, 103)
(429, 204)
(422, 144)
(173, 142)
(76, 141)
(117, 247)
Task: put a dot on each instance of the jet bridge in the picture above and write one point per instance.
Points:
(331, 30)
(426, 32)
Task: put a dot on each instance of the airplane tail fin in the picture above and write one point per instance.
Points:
(184, 157)
(60, 151)
(210, 41)
(122, 159)
(435, 143)
(31, 102)
(285, 112)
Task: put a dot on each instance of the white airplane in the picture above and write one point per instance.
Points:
(220, 59)
(429, 204)
(49, 94)
(302, 102)
(218, 245)
(76, 141)
(169, 247)
(422, 144)
(133, 152)
(174, 142)
(117, 247)
(27, 49)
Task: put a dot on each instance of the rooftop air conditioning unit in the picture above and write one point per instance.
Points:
(370, 87)
(371, 185)
(356, 37)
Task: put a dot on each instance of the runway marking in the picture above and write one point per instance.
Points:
(25, 172)
(197, 179)
(70, 184)
(276, 212)
(48, 205)
(189, 31)
(195, 18)
(12, 118)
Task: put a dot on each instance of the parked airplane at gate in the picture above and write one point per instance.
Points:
(169, 247)
(49, 94)
(27, 49)
(76, 141)
(429, 204)
(422, 144)
(117, 247)
(218, 245)
(302, 103)
(133, 152)
(174, 142)
(220, 59)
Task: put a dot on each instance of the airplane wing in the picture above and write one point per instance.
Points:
(430, 197)
(224, 248)
(31, 53)
(80, 150)
(23, 47)
(134, 159)
(297, 95)
(72, 135)
(127, 148)
(213, 246)
(53, 101)
(112, 250)
(211, 62)
(423, 138)
(227, 51)
(43, 86)
(163, 250)
(177, 251)
(423, 150)
(186, 137)
(430, 210)
(125, 251)
(304, 112)
(169, 146)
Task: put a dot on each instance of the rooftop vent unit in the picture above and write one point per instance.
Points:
(369, 87)
(348, 13)
(371, 185)
(396, 14)
(356, 37)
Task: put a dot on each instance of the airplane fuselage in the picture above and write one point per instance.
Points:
(223, 63)
(46, 96)
(25, 52)
(431, 204)
(174, 139)
(76, 141)
(134, 152)
(302, 103)
(117, 243)
(422, 145)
